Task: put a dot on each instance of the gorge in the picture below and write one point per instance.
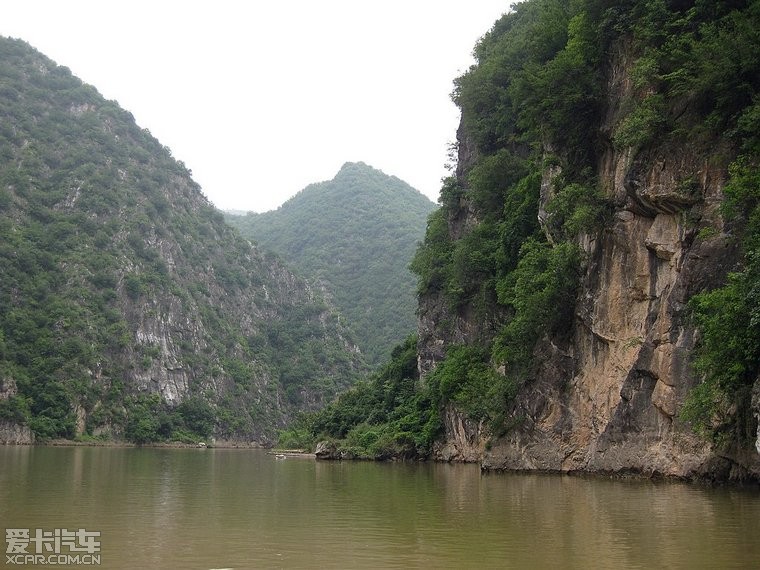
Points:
(587, 290)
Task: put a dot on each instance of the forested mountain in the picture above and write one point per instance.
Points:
(589, 288)
(128, 307)
(356, 234)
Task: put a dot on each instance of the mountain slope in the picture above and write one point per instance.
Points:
(356, 234)
(589, 295)
(127, 306)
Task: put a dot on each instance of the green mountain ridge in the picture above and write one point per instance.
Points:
(128, 307)
(356, 235)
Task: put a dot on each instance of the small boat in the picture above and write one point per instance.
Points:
(280, 456)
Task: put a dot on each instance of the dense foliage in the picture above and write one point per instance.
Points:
(728, 355)
(388, 415)
(532, 112)
(503, 247)
(530, 105)
(356, 235)
(127, 306)
(393, 414)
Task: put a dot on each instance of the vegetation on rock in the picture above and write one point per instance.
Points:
(128, 308)
(107, 246)
(728, 356)
(536, 86)
(354, 234)
(533, 108)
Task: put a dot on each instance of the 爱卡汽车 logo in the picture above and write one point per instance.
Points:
(58, 546)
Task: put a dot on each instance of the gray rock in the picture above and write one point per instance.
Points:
(326, 450)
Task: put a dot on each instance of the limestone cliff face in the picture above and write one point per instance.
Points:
(608, 400)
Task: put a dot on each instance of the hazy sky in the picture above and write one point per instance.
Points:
(261, 98)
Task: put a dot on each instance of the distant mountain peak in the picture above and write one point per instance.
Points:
(359, 245)
(355, 165)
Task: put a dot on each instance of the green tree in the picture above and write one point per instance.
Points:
(728, 354)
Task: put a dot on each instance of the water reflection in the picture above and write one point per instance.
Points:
(243, 509)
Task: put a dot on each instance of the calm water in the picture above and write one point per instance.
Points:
(221, 508)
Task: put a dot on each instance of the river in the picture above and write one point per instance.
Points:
(234, 508)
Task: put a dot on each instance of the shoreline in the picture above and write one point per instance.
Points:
(302, 454)
(270, 450)
(125, 444)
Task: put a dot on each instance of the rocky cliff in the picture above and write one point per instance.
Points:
(605, 391)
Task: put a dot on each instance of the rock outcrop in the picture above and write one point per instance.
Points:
(608, 400)
(12, 433)
(330, 451)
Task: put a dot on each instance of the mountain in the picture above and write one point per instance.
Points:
(356, 234)
(128, 307)
(588, 290)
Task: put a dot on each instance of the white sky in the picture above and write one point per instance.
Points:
(261, 98)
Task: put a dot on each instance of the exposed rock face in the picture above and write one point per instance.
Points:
(462, 439)
(15, 434)
(609, 401)
(328, 451)
(12, 432)
(615, 408)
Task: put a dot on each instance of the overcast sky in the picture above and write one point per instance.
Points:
(260, 99)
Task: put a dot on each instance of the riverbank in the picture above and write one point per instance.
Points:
(157, 444)
(223, 444)
(279, 453)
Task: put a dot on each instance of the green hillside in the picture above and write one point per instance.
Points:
(568, 111)
(128, 308)
(356, 234)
